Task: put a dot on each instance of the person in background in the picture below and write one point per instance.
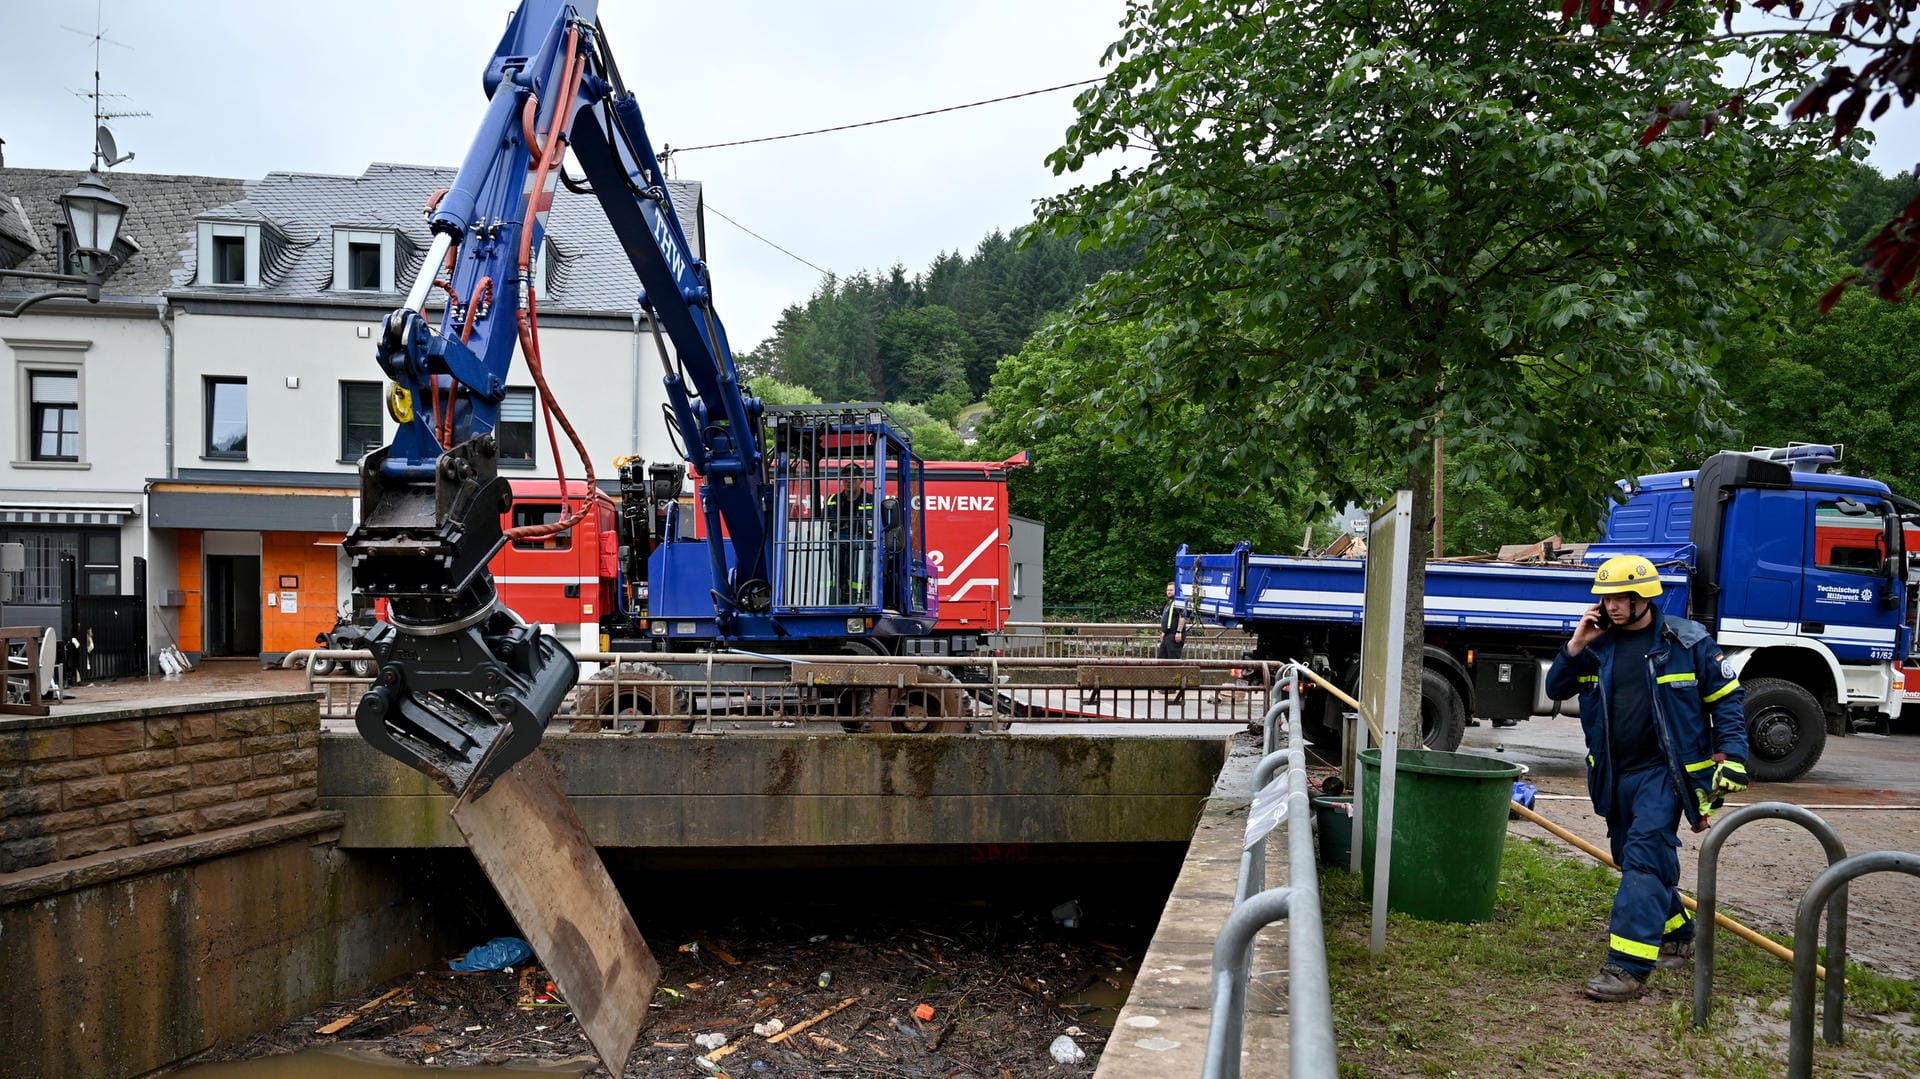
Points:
(1173, 636)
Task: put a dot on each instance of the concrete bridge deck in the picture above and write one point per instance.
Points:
(794, 790)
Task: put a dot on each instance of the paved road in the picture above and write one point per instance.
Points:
(1857, 769)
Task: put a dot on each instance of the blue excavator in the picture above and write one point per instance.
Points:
(788, 561)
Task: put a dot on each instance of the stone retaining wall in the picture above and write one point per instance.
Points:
(89, 780)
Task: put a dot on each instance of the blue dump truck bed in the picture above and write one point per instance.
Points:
(1243, 590)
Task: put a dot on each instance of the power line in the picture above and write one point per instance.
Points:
(708, 205)
(671, 150)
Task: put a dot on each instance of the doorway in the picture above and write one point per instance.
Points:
(232, 610)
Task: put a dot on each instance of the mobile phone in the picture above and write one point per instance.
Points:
(1605, 622)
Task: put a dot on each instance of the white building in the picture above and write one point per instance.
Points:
(220, 403)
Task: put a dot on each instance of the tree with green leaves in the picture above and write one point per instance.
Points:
(775, 392)
(1363, 227)
(923, 349)
(1851, 376)
(1113, 524)
(1804, 52)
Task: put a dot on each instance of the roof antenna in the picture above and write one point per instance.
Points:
(105, 151)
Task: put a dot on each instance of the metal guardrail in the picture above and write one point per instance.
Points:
(1806, 929)
(702, 691)
(1828, 891)
(1065, 640)
(1707, 899)
(1310, 1041)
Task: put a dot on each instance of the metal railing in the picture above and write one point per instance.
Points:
(704, 691)
(1707, 900)
(1806, 930)
(1310, 1041)
(1065, 640)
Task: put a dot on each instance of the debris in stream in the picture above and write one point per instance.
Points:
(908, 998)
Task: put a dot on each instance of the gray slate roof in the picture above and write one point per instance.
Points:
(590, 270)
(155, 235)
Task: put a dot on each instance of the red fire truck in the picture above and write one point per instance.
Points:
(571, 581)
(1860, 541)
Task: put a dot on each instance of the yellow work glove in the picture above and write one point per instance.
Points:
(1729, 776)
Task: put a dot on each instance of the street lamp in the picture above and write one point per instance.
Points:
(93, 220)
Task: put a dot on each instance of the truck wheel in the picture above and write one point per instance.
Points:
(1443, 715)
(1786, 730)
(637, 702)
(928, 708)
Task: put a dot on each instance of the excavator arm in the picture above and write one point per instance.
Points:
(466, 687)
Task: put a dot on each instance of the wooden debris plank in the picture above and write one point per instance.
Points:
(352, 1017)
(798, 1027)
(527, 837)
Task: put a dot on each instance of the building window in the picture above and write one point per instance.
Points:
(229, 260)
(100, 566)
(360, 429)
(363, 267)
(54, 425)
(363, 260)
(515, 429)
(226, 413)
(540, 514)
(229, 253)
(96, 555)
(1017, 593)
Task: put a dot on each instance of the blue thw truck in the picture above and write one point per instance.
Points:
(1802, 575)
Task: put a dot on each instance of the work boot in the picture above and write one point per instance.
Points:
(1615, 984)
(1674, 954)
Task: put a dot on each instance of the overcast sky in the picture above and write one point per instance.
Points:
(243, 88)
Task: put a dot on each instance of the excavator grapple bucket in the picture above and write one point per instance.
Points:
(464, 707)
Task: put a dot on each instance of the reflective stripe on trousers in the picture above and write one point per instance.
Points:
(1643, 833)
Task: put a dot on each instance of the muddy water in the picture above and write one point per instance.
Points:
(1100, 1003)
(334, 1063)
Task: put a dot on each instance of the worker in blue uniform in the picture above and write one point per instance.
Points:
(1666, 737)
(850, 509)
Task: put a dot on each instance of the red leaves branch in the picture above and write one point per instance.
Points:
(1891, 260)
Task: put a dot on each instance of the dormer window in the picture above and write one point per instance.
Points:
(229, 254)
(363, 260)
(229, 260)
(363, 266)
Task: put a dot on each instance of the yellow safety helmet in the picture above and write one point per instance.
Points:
(1627, 573)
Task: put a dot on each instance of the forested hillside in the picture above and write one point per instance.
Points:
(936, 334)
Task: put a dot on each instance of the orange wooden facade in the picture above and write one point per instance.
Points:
(310, 557)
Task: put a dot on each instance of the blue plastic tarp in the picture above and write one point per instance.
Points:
(496, 954)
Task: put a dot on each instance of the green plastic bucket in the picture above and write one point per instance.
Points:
(1449, 831)
(1333, 819)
